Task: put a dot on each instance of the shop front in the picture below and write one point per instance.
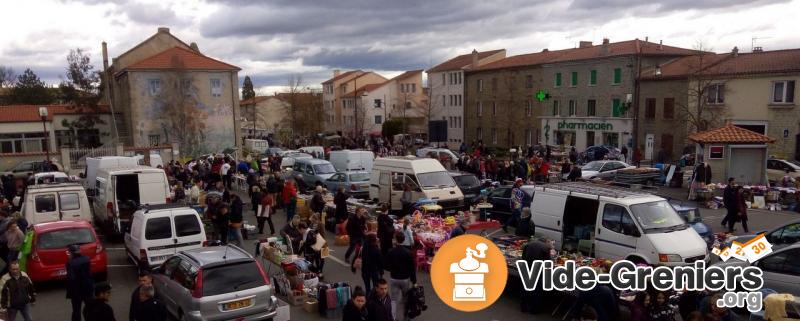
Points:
(583, 132)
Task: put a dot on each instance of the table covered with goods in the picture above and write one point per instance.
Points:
(773, 198)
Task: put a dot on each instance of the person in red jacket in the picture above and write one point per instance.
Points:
(289, 195)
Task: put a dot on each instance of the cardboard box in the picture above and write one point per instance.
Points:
(283, 312)
(297, 297)
(311, 305)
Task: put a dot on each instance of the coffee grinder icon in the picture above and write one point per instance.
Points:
(469, 275)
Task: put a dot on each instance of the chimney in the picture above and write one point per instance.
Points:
(646, 38)
(758, 49)
(474, 59)
(660, 45)
(545, 50)
(105, 56)
(584, 44)
(163, 30)
(194, 47)
(605, 41)
(336, 72)
(735, 51)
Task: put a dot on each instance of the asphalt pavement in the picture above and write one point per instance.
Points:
(53, 305)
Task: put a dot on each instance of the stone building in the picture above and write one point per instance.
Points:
(165, 91)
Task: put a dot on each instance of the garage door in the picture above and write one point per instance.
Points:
(746, 165)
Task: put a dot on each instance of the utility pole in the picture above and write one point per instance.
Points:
(636, 93)
(355, 109)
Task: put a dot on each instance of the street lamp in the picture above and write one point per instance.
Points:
(43, 115)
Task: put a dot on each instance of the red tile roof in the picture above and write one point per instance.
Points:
(342, 75)
(407, 74)
(462, 61)
(180, 58)
(730, 134)
(728, 64)
(623, 48)
(683, 66)
(30, 113)
(254, 100)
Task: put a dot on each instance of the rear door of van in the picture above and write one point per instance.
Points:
(189, 232)
(153, 188)
(73, 206)
(547, 213)
(158, 240)
(42, 207)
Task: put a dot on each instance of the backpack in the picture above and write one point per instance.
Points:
(416, 302)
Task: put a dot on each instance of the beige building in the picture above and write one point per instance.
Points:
(165, 91)
(755, 91)
(272, 115)
(338, 87)
(446, 83)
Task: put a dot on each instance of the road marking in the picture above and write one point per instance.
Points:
(120, 265)
(337, 260)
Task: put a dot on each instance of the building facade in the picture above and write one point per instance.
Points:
(166, 91)
(447, 90)
(337, 88)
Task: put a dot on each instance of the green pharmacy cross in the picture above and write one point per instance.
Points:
(541, 95)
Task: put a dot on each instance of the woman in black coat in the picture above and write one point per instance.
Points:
(340, 200)
(371, 262)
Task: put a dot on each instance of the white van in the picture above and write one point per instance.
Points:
(56, 202)
(614, 223)
(352, 160)
(316, 151)
(119, 192)
(427, 177)
(159, 232)
(155, 160)
(93, 164)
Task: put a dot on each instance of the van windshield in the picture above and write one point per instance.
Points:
(658, 217)
(324, 169)
(435, 180)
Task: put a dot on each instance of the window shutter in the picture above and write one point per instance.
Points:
(617, 75)
(558, 79)
(593, 77)
(615, 109)
(790, 91)
(574, 78)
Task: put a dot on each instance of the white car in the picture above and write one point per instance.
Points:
(602, 169)
(781, 269)
(287, 160)
(49, 177)
(776, 169)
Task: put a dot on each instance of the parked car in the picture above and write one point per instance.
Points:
(438, 153)
(593, 153)
(310, 172)
(22, 169)
(780, 236)
(781, 269)
(48, 256)
(288, 159)
(49, 178)
(500, 198)
(56, 202)
(215, 283)
(691, 215)
(158, 232)
(355, 182)
(602, 169)
(273, 151)
(470, 186)
(776, 170)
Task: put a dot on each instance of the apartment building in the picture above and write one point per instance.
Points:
(446, 83)
(338, 87)
(402, 97)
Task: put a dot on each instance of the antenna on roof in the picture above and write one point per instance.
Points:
(753, 42)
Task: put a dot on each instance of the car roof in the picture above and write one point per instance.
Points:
(312, 161)
(55, 174)
(60, 225)
(66, 185)
(213, 255)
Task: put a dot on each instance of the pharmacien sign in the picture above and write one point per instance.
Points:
(587, 126)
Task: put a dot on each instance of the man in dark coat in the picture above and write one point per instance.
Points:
(97, 309)
(379, 304)
(729, 200)
(150, 309)
(145, 279)
(80, 286)
(535, 250)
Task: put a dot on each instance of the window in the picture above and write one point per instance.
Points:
(572, 107)
(786, 262)
(216, 87)
(22, 143)
(377, 103)
(617, 219)
(413, 88)
(186, 225)
(60, 239)
(616, 107)
(444, 101)
(479, 133)
(480, 109)
(231, 278)
(783, 92)
(669, 108)
(408, 105)
(186, 87)
(459, 100)
(528, 136)
(650, 108)
(65, 138)
(593, 78)
(494, 84)
(450, 100)
(529, 108)
(378, 120)
(158, 228)
(460, 80)
(574, 81)
(69, 201)
(529, 81)
(789, 234)
(45, 203)
(715, 94)
(443, 79)
(185, 275)
(617, 76)
(494, 135)
(153, 139)
(591, 107)
(556, 108)
(155, 86)
(480, 85)
(558, 79)
(716, 152)
(494, 108)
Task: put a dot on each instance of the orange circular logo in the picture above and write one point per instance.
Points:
(469, 273)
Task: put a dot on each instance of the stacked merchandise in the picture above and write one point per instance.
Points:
(331, 299)
(511, 246)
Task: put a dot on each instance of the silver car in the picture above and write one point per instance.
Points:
(310, 172)
(215, 283)
(354, 182)
(781, 269)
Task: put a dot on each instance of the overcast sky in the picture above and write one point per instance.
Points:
(270, 40)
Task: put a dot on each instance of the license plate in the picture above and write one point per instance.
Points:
(237, 304)
(61, 272)
(159, 258)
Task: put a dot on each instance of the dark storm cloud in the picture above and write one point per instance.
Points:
(665, 6)
(308, 78)
(359, 58)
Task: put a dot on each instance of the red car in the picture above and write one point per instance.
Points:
(48, 257)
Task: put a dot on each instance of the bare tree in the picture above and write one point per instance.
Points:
(706, 91)
(7, 77)
(176, 103)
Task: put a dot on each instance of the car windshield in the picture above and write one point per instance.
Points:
(231, 278)
(359, 177)
(467, 181)
(657, 217)
(592, 166)
(324, 169)
(435, 180)
(299, 155)
(62, 238)
(795, 164)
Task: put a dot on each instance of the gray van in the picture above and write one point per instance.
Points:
(310, 172)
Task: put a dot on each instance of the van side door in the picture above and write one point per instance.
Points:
(617, 234)
(44, 207)
(70, 206)
(547, 213)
